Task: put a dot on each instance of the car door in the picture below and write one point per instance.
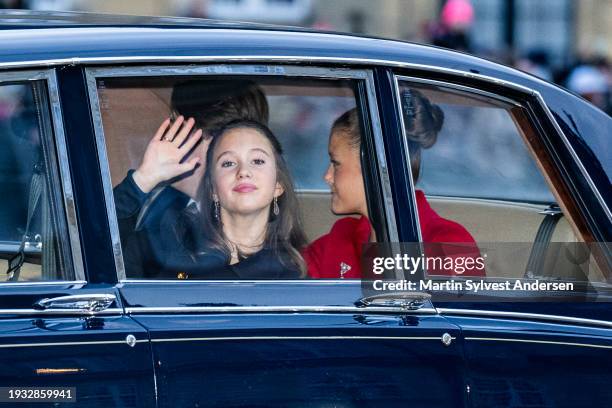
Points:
(63, 335)
(275, 342)
(503, 170)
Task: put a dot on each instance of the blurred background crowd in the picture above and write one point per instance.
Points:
(568, 42)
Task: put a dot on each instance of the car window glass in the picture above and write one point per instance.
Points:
(33, 233)
(481, 193)
(166, 230)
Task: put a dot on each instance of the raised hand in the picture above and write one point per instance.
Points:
(163, 158)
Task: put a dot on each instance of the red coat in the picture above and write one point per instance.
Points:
(341, 248)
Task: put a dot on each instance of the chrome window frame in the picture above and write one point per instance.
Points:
(61, 157)
(262, 69)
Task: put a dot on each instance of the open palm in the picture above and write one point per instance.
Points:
(163, 158)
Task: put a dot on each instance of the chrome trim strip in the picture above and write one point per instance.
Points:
(105, 174)
(61, 157)
(574, 155)
(43, 283)
(519, 315)
(398, 100)
(383, 168)
(260, 70)
(63, 312)
(278, 309)
(264, 69)
(298, 338)
(69, 343)
(462, 88)
(560, 343)
(356, 282)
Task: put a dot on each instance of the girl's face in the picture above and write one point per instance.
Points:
(244, 172)
(344, 176)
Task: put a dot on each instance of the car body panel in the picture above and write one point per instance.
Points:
(548, 360)
(88, 351)
(305, 360)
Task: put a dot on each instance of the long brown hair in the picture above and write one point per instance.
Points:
(284, 233)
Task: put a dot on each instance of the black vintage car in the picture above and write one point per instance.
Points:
(523, 165)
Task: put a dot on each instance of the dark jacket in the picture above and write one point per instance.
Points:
(166, 242)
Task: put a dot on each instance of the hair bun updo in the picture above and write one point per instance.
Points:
(422, 119)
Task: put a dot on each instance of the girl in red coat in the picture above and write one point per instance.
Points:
(337, 254)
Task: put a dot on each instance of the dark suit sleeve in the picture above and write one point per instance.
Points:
(148, 235)
(129, 199)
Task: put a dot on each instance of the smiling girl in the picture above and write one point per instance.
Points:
(245, 224)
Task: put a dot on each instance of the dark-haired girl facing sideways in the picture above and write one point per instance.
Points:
(337, 254)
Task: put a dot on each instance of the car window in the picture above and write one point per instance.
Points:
(176, 226)
(34, 243)
(481, 190)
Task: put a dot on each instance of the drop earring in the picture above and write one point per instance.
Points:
(217, 210)
(275, 208)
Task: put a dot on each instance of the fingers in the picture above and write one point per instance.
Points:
(192, 141)
(170, 134)
(161, 130)
(183, 133)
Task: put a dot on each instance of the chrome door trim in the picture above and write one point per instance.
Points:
(366, 75)
(61, 157)
(59, 312)
(383, 168)
(279, 309)
(77, 284)
(558, 343)
(69, 343)
(462, 88)
(182, 339)
(356, 282)
(524, 316)
(412, 192)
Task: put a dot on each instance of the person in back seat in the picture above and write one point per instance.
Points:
(337, 254)
(147, 212)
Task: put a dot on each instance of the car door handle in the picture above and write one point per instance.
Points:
(89, 302)
(403, 300)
